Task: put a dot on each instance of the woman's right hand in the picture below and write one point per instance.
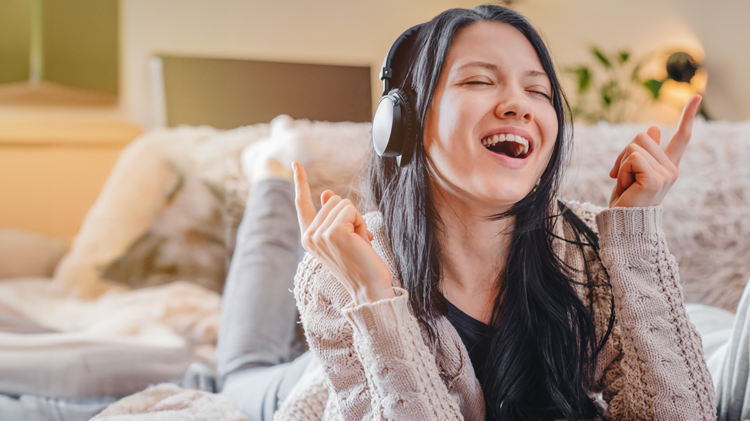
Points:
(338, 237)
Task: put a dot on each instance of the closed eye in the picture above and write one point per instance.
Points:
(542, 94)
(477, 82)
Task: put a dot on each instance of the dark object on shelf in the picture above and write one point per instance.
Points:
(681, 66)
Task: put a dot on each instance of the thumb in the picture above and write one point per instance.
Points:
(360, 227)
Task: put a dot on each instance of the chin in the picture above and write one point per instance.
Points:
(505, 199)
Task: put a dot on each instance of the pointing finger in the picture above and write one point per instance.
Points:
(305, 208)
(677, 145)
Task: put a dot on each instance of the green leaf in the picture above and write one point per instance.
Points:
(653, 86)
(583, 77)
(634, 76)
(602, 58)
(609, 93)
(624, 56)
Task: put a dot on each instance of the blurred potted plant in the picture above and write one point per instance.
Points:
(606, 97)
(619, 94)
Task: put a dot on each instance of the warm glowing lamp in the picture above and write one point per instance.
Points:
(685, 78)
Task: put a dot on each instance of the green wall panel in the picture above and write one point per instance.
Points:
(81, 43)
(14, 40)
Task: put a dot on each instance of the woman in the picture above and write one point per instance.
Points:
(471, 293)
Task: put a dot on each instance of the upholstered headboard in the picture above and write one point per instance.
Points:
(228, 93)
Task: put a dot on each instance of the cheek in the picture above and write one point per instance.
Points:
(547, 122)
(448, 128)
(444, 132)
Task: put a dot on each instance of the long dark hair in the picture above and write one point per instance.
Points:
(543, 344)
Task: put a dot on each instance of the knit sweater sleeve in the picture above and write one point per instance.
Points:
(320, 298)
(373, 355)
(660, 372)
(402, 373)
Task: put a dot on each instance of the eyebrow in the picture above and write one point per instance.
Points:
(493, 67)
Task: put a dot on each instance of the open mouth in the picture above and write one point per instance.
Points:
(514, 146)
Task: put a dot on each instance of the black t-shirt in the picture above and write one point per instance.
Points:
(473, 333)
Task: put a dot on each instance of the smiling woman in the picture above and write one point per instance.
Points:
(469, 291)
(470, 230)
(489, 88)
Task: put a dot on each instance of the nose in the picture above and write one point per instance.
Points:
(513, 104)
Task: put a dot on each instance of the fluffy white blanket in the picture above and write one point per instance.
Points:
(707, 221)
(167, 402)
(108, 340)
(706, 213)
(112, 346)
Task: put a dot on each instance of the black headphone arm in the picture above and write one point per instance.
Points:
(386, 71)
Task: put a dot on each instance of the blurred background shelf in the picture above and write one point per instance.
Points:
(46, 93)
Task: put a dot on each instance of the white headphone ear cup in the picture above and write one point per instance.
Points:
(392, 124)
(383, 126)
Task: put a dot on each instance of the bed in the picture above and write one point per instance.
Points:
(148, 328)
(106, 325)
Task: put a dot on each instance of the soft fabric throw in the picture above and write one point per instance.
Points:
(167, 402)
(706, 213)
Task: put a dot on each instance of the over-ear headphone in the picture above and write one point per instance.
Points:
(394, 121)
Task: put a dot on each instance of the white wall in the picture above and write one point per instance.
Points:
(359, 32)
(716, 30)
(724, 30)
(353, 32)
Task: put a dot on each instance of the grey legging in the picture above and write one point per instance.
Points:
(255, 357)
(254, 353)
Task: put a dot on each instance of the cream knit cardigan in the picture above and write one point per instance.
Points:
(373, 362)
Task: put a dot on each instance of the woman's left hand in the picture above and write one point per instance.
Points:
(644, 171)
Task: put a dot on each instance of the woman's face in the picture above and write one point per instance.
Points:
(492, 98)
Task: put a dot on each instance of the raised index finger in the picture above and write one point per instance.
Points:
(303, 201)
(679, 141)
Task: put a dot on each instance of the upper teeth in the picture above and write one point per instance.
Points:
(523, 143)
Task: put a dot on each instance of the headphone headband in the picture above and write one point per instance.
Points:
(402, 45)
(392, 129)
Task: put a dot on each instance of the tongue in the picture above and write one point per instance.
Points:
(505, 148)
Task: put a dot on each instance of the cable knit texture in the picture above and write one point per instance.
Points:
(373, 361)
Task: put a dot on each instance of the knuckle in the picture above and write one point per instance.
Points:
(642, 138)
(307, 240)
